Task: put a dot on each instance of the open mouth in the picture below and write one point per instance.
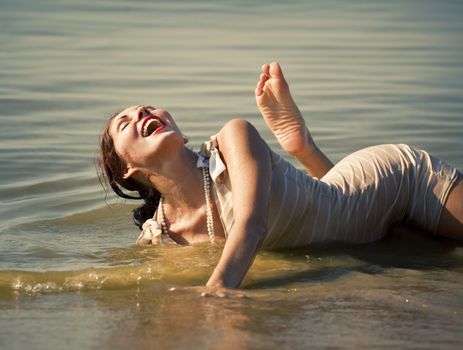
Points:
(151, 125)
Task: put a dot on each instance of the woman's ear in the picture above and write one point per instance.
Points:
(129, 172)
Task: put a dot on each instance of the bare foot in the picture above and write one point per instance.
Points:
(281, 113)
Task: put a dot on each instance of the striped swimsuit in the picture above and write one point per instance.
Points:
(357, 201)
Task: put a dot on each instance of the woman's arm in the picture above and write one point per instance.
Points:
(247, 158)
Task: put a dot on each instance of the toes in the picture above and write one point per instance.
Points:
(269, 71)
(261, 82)
(275, 70)
(266, 69)
(263, 78)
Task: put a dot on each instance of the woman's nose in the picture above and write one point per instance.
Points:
(139, 112)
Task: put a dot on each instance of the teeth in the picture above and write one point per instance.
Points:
(148, 123)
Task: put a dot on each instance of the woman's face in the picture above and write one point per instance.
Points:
(144, 135)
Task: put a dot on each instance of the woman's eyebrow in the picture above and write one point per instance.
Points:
(118, 121)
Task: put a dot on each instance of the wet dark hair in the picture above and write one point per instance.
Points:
(111, 169)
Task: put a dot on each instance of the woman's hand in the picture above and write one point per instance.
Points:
(212, 291)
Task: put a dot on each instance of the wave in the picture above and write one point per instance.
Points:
(171, 265)
(166, 265)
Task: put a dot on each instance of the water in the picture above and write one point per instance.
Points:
(362, 72)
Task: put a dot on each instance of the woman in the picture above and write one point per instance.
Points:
(256, 199)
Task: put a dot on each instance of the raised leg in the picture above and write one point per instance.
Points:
(283, 117)
(280, 112)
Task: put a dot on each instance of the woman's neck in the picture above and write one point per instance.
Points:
(180, 181)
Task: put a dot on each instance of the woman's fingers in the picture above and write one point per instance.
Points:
(212, 292)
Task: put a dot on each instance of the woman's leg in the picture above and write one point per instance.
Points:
(451, 221)
(286, 122)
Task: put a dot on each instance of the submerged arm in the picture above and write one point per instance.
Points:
(247, 158)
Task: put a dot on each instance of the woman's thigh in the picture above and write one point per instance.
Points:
(451, 221)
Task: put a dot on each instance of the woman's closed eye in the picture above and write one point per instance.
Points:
(122, 124)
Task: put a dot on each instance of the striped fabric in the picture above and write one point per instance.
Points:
(357, 201)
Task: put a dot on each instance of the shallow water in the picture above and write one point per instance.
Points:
(362, 73)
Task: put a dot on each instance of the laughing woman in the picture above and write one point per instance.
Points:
(237, 190)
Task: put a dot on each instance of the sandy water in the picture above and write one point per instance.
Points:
(362, 72)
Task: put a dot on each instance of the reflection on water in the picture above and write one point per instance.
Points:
(362, 72)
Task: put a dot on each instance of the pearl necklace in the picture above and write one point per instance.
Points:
(209, 217)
